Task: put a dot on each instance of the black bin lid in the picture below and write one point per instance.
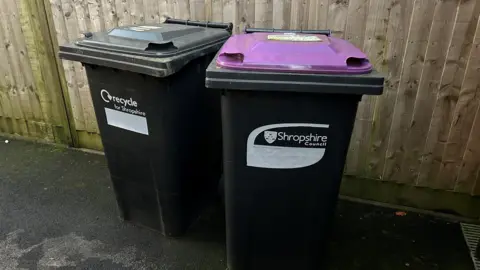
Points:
(156, 49)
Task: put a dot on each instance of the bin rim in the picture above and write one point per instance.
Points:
(219, 78)
(153, 49)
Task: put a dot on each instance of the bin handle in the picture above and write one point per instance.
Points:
(207, 24)
(273, 30)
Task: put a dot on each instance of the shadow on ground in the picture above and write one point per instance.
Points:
(58, 211)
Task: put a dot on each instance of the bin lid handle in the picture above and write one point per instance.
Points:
(166, 46)
(325, 32)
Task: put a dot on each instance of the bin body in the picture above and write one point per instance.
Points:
(286, 136)
(160, 128)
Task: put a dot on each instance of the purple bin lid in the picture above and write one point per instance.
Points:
(290, 52)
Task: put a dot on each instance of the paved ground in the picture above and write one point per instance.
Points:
(57, 211)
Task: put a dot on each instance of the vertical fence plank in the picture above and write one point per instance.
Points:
(471, 158)
(393, 53)
(122, 12)
(8, 123)
(299, 14)
(44, 67)
(450, 85)
(246, 15)
(64, 18)
(470, 170)
(438, 43)
(463, 118)
(208, 10)
(109, 14)
(337, 17)
(317, 14)
(51, 40)
(85, 25)
(152, 11)
(14, 68)
(181, 9)
(96, 15)
(217, 10)
(411, 74)
(230, 10)
(281, 13)
(30, 65)
(163, 9)
(353, 162)
(197, 10)
(263, 13)
(28, 99)
(356, 24)
(50, 72)
(374, 44)
(137, 12)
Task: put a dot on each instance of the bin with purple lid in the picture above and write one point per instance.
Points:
(288, 107)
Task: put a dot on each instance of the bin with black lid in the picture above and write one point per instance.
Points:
(160, 128)
(289, 100)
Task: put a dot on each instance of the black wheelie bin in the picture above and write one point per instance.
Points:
(289, 100)
(160, 128)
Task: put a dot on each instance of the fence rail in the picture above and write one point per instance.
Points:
(424, 131)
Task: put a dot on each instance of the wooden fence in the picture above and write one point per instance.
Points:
(31, 98)
(424, 131)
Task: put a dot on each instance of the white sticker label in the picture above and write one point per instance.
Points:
(143, 28)
(287, 146)
(297, 38)
(124, 113)
(127, 121)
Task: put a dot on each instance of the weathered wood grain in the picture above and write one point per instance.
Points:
(463, 119)
(65, 21)
(51, 40)
(337, 17)
(197, 10)
(469, 171)
(438, 43)
(281, 14)
(373, 42)
(137, 12)
(317, 14)
(450, 85)
(181, 9)
(217, 10)
(263, 13)
(411, 73)
(393, 54)
(357, 22)
(230, 10)
(122, 12)
(245, 15)
(108, 14)
(15, 69)
(6, 83)
(299, 14)
(152, 11)
(421, 131)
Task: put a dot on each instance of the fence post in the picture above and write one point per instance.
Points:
(49, 77)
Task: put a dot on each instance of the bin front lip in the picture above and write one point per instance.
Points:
(285, 86)
(228, 79)
(153, 66)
